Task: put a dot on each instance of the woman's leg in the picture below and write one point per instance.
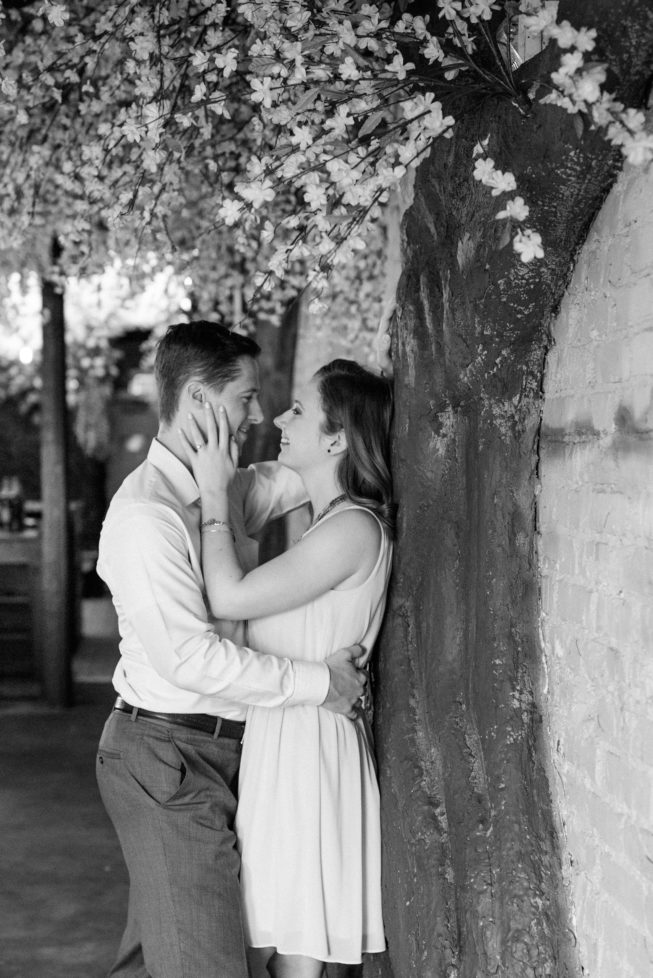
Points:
(295, 966)
(257, 960)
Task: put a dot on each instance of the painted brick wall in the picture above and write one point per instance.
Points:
(596, 556)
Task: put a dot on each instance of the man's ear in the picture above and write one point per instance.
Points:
(196, 392)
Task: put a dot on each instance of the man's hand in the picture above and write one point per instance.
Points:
(348, 682)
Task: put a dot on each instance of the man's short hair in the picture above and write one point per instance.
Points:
(208, 352)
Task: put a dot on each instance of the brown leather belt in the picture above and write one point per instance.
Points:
(234, 729)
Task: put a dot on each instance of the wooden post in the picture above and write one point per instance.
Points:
(276, 362)
(56, 557)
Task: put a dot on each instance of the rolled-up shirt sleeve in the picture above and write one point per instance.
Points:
(144, 560)
(269, 490)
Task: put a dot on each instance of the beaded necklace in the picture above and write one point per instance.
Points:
(329, 506)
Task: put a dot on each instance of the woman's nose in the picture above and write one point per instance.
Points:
(279, 420)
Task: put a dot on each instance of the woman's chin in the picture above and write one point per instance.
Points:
(283, 458)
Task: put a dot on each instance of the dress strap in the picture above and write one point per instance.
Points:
(382, 548)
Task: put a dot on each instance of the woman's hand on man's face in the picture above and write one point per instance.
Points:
(213, 456)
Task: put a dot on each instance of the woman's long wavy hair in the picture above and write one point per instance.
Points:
(359, 403)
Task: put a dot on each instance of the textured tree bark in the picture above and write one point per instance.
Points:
(472, 879)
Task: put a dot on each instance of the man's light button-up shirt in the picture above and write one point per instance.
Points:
(171, 657)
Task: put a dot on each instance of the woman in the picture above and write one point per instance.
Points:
(308, 814)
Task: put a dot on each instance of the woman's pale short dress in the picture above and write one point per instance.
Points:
(308, 812)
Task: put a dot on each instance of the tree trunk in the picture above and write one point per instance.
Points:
(472, 877)
(58, 611)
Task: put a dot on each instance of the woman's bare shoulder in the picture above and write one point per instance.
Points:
(357, 522)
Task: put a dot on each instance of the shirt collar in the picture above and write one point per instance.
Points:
(174, 470)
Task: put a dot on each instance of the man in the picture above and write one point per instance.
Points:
(169, 754)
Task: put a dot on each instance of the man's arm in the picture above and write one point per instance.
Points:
(347, 682)
(268, 490)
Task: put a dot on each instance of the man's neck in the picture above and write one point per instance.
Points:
(169, 437)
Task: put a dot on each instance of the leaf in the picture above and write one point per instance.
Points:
(371, 123)
(359, 59)
(306, 101)
(579, 125)
(506, 236)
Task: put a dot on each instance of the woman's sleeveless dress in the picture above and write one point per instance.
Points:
(308, 812)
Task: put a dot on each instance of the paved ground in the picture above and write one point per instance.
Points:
(62, 879)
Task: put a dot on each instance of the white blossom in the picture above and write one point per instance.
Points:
(633, 119)
(256, 167)
(143, 46)
(9, 87)
(638, 148)
(454, 69)
(346, 33)
(515, 209)
(131, 131)
(219, 107)
(499, 182)
(200, 60)
(230, 211)
(480, 9)
(483, 169)
(450, 9)
(567, 36)
(339, 122)
(315, 196)
(292, 165)
(256, 193)
(399, 68)
(227, 62)
(302, 136)
(57, 13)
(418, 105)
(413, 25)
(432, 51)
(528, 245)
(539, 21)
(503, 183)
(435, 123)
(348, 70)
(588, 84)
(569, 65)
(278, 262)
(261, 91)
(605, 109)
(585, 39)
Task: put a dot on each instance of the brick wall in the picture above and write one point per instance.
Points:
(596, 556)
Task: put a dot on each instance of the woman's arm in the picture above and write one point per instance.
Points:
(214, 461)
(342, 550)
